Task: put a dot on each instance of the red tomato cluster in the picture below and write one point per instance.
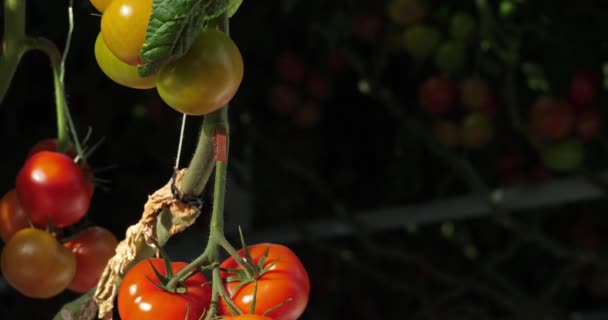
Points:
(299, 92)
(462, 113)
(52, 191)
(281, 288)
(205, 79)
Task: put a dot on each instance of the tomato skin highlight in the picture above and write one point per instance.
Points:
(286, 279)
(52, 189)
(92, 249)
(140, 299)
(118, 71)
(12, 216)
(36, 264)
(123, 26)
(206, 78)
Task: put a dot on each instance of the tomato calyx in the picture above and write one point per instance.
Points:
(166, 282)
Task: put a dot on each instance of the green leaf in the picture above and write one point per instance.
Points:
(173, 26)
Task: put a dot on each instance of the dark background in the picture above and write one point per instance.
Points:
(382, 214)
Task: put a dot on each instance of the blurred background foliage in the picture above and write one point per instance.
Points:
(355, 106)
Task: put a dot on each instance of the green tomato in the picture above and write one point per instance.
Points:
(563, 155)
(477, 130)
(206, 78)
(120, 72)
(462, 25)
(421, 40)
(451, 57)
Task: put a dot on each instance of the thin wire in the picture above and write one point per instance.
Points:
(68, 41)
(181, 141)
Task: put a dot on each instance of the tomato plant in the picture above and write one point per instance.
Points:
(140, 296)
(282, 283)
(93, 247)
(100, 5)
(36, 264)
(52, 189)
(206, 78)
(12, 215)
(551, 118)
(120, 72)
(123, 26)
(437, 95)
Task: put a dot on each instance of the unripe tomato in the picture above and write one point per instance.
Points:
(563, 155)
(92, 249)
(52, 189)
(206, 78)
(462, 25)
(123, 26)
(12, 215)
(551, 118)
(36, 264)
(437, 95)
(451, 57)
(421, 40)
(120, 72)
(477, 130)
(100, 5)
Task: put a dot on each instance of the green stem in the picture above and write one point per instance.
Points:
(12, 43)
(49, 48)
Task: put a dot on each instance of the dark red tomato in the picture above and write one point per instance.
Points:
(291, 67)
(318, 85)
(551, 118)
(588, 124)
(36, 264)
(139, 297)
(92, 248)
(284, 285)
(52, 189)
(12, 215)
(50, 144)
(583, 88)
(437, 95)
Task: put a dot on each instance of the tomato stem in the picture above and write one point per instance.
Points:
(12, 44)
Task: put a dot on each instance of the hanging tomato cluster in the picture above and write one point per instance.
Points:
(52, 192)
(205, 79)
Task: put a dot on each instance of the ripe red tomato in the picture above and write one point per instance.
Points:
(583, 88)
(52, 189)
(206, 78)
(36, 264)
(123, 26)
(551, 118)
(286, 279)
(475, 94)
(12, 215)
(92, 249)
(588, 124)
(50, 144)
(120, 72)
(100, 5)
(248, 317)
(477, 130)
(139, 297)
(437, 95)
